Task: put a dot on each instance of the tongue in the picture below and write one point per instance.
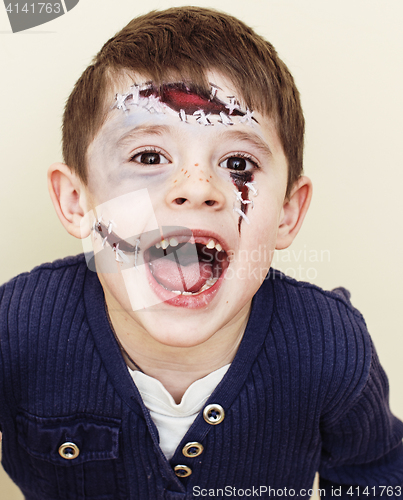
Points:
(188, 278)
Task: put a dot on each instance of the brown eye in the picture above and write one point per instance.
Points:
(238, 163)
(150, 158)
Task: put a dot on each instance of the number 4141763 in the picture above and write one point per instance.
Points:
(38, 7)
(378, 491)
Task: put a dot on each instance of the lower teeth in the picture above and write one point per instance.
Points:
(209, 283)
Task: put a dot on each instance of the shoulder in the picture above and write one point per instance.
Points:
(329, 311)
(289, 290)
(45, 283)
(327, 333)
(39, 313)
(67, 263)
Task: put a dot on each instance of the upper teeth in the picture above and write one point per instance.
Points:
(173, 242)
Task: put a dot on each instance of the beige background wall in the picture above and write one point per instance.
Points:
(347, 60)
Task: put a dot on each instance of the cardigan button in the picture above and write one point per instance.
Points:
(192, 449)
(69, 451)
(182, 470)
(213, 414)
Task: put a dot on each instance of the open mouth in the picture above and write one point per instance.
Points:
(181, 266)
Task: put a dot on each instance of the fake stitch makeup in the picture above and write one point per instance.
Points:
(243, 182)
(187, 101)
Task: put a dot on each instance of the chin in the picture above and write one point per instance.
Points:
(182, 336)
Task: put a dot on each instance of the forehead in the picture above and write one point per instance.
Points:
(141, 108)
(179, 102)
(185, 101)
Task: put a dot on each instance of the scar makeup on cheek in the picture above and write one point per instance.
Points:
(147, 263)
(118, 245)
(244, 183)
(114, 228)
(189, 103)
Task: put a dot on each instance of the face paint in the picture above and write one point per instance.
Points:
(186, 102)
(244, 182)
(132, 244)
(186, 151)
(118, 245)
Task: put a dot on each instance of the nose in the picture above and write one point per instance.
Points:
(193, 188)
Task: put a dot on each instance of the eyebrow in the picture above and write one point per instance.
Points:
(135, 132)
(249, 137)
(159, 130)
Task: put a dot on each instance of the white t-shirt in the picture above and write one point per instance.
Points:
(173, 420)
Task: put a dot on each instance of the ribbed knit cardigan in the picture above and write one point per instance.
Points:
(305, 392)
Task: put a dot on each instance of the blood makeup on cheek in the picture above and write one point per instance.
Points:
(242, 181)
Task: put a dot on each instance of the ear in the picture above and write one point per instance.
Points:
(293, 212)
(69, 198)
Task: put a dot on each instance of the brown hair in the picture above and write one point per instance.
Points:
(182, 44)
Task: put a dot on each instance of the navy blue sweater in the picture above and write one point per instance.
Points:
(305, 392)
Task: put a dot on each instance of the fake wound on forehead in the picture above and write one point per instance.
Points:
(188, 102)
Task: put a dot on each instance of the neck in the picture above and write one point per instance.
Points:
(177, 367)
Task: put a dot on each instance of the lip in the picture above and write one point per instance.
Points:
(202, 299)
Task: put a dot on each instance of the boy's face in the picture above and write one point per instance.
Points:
(157, 174)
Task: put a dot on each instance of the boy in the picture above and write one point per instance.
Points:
(176, 370)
